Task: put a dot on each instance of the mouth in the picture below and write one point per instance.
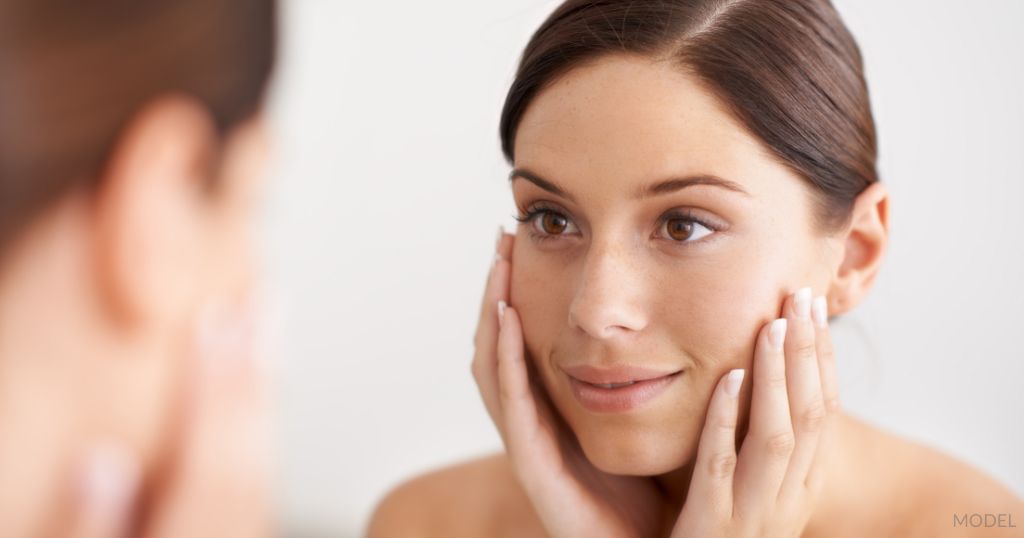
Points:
(619, 389)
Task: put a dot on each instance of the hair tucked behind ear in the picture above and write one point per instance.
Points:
(73, 73)
(788, 69)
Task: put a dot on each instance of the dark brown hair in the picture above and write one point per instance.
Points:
(789, 70)
(72, 73)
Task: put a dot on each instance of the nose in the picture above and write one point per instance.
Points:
(608, 297)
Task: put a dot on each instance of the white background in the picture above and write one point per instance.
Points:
(389, 187)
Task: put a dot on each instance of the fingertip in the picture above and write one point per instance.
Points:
(504, 244)
(819, 312)
(777, 333)
(733, 382)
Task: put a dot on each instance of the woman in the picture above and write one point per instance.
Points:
(697, 190)
(131, 144)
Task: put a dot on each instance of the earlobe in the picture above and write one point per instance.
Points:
(148, 205)
(864, 244)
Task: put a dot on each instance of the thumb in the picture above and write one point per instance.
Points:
(107, 482)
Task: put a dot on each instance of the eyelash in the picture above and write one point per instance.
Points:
(539, 210)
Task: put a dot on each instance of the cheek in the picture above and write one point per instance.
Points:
(540, 289)
(713, 312)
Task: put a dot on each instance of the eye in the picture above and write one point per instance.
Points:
(685, 228)
(548, 223)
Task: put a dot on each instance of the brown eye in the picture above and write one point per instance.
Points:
(684, 229)
(679, 229)
(553, 223)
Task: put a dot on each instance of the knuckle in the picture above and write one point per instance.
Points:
(804, 348)
(722, 465)
(812, 419)
(780, 444)
(832, 404)
(776, 381)
(724, 424)
(824, 348)
(506, 392)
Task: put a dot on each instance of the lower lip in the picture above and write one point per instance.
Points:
(620, 399)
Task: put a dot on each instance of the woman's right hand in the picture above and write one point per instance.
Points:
(571, 496)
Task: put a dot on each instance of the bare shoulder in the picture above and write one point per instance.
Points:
(939, 495)
(480, 497)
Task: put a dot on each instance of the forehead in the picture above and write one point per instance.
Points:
(626, 119)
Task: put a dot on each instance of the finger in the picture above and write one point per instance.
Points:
(830, 393)
(106, 491)
(502, 251)
(530, 442)
(218, 483)
(805, 394)
(711, 488)
(764, 457)
(484, 365)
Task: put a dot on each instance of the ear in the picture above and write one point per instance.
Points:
(149, 211)
(864, 244)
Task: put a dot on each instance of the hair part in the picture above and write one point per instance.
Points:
(788, 70)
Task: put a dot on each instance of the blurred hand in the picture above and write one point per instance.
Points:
(217, 483)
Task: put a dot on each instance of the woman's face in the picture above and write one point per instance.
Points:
(661, 236)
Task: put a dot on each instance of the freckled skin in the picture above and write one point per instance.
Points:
(615, 289)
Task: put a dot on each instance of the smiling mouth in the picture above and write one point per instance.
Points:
(608, 396)
(612, 385)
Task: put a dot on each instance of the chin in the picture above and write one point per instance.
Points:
(635, 453)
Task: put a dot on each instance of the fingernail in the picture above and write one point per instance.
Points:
(819, 310)
(501, 312)
(497, 258)
(777, 333)
(501, 233)
(802, 303)
(107, 484)
(733, 382)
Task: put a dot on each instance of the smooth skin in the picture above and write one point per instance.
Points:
(594, 276)
(766, 491)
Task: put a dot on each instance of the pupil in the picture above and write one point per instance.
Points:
(553, 224)
(680, 229)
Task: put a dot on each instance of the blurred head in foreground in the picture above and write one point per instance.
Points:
(131, 150)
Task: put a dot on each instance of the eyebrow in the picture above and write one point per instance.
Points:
(655, 189)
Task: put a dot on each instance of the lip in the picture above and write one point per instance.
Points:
(646, 385)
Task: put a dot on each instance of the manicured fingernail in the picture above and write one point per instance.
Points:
(819, 310)
(501, 233)
(802, 303)
(501, 312)
(777, 333)
(733, 382)
(108, 481)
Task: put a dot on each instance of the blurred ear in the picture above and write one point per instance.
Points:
(864, 245)
(150, 211)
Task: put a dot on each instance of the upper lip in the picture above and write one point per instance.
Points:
(614, 374)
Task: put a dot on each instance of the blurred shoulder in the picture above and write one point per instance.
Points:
(480, 497)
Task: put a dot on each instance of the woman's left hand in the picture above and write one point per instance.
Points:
(771, 488)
